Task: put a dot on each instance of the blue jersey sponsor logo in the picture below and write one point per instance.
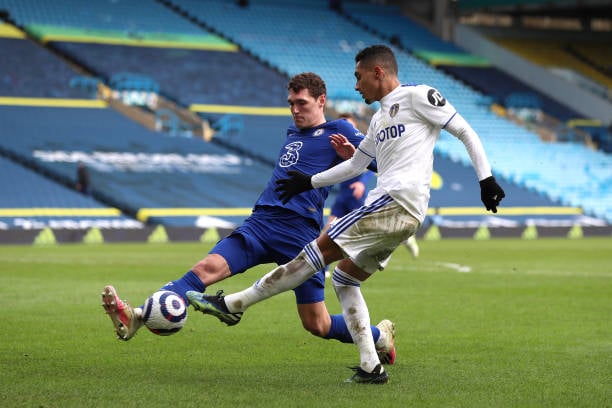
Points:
(390, 132)
(292, 155)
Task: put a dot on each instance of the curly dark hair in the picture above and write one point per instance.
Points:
(310, 81)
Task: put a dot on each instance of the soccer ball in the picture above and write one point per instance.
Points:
(164, 313)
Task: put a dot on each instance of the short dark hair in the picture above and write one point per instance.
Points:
(308, 80)
(378, 55)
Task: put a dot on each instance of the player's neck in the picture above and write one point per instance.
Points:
(315, 124)
(390, 87)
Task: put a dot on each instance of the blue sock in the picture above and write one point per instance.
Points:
(339, 331)
(189, 281)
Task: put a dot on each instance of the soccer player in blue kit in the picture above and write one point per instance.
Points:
(277, 231)
(401, 137)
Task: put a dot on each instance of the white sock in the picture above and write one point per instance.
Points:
(381, 339)
(282, 278)
(357, 317)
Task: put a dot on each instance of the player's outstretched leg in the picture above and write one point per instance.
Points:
(126, 319)
(363, 377)
(213, 305)
(386, 351)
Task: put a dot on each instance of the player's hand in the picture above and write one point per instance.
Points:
(358, 189)
(491, 193)
(297, 183)
(342, 146)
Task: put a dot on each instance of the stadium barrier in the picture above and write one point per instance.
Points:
(157, 234)
(149, 234)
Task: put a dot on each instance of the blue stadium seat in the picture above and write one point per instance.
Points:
(30, 70)
(130, 16)
(186, 76)
(130, 165)
(29, 198)
(392, 24)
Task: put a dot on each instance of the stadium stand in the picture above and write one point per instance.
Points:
(132, 166)
(30, 200)
(331, 52)
(191, 65)
(186, 76)
(29, 70)
(128, 17)
(507, 90)
(598, 55)
(238, 77)
(391, 24)
(454, 185)
(580, 61)
(477, 72)
(553, 54)
(221, 77)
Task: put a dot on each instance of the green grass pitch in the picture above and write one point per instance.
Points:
(497, 323)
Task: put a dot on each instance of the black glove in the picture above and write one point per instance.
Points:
(491, 193)
(297, 183)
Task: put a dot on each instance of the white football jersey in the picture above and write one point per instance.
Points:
(402, 135)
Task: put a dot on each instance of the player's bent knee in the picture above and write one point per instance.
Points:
(315, 328)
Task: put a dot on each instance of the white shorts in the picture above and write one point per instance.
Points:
(369, 234)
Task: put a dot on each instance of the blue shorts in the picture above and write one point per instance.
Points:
(273, 235)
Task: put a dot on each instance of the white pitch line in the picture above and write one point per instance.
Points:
(457, 267)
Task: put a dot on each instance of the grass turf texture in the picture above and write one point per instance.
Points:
(528, 326)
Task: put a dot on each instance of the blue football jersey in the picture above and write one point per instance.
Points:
(308, 151)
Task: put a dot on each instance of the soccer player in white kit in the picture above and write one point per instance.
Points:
(401, 137)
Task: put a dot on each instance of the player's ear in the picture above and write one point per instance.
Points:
(321, 100)
(379, 73)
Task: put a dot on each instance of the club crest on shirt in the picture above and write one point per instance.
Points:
(394, 109)
(435, 98)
